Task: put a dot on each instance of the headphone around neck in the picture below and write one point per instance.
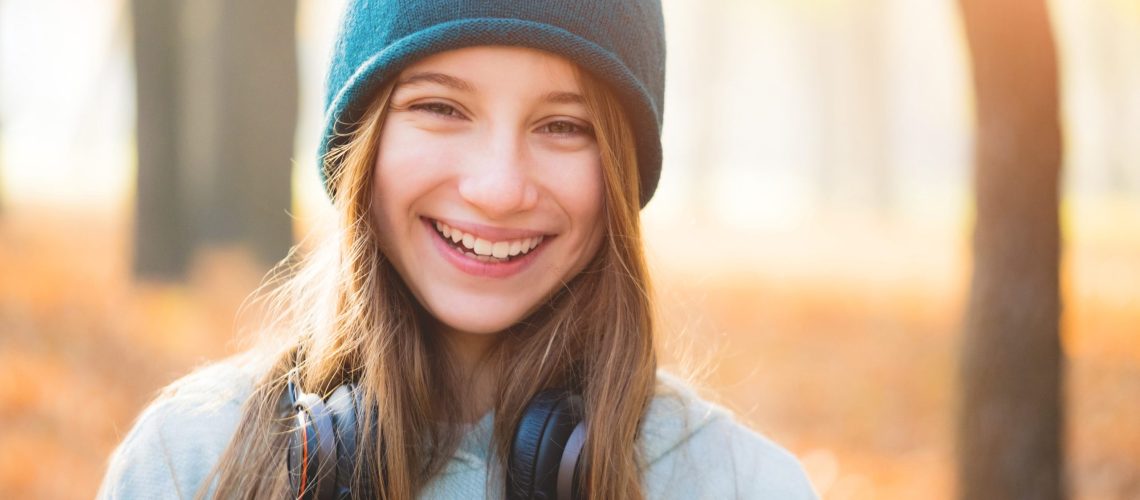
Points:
(545, 460)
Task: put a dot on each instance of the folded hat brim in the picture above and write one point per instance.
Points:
(351, 100)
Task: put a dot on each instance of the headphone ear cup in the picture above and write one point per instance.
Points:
(540, 441)
(312, 450)
(343, 406)
(297, 460)
(570, 469)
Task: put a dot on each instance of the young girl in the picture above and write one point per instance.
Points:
(480, 324)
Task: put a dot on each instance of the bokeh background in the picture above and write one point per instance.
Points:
(810, 239)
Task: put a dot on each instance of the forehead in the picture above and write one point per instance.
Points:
(493, 68)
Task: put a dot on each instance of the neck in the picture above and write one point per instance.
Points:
(477, 384)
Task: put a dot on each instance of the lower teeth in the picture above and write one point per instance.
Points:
(485, 258)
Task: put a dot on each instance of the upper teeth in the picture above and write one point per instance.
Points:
(480, 246)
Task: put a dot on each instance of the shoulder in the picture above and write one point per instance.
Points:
(695, 449)
(177, 439)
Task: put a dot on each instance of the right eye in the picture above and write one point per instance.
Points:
(437, 108)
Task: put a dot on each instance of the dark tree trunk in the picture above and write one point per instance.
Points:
(163, 239)
(217, 94)
(263, 102)
(1010, 424)
(256, 114)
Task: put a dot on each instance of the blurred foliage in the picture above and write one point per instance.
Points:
(827, 326)
(845, 358)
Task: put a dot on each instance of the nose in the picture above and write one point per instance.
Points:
(497, 180)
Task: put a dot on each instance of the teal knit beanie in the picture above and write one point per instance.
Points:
(621, 42)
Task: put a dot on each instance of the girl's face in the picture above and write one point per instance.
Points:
(488, 185)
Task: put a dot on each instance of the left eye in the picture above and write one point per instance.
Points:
(565, 128)
(437, 108)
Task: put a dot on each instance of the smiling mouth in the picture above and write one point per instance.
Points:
(494, 252)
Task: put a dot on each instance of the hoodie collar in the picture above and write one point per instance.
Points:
(674, 415)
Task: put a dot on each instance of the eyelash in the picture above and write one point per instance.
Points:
(574, 127)
(449, 111)
(434, 108)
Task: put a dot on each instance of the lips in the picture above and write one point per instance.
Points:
(478, 255)
(483, 249)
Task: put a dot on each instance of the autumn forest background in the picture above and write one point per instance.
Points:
(899, 237)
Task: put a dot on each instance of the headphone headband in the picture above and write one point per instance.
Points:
(545, 460)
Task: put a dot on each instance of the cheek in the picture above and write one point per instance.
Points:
(409, 163)
(579, 189)
(575, 180)
(583, 192)
(404, 158)
(397, 183)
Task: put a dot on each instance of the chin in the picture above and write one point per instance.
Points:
(479, 319)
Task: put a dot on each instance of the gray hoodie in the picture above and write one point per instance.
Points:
(692, 449)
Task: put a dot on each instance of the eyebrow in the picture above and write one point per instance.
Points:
(438, 78)
(556, 97)
(563, 98)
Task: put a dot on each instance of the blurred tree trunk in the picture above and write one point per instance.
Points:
(711, 25)
(268, 34)
(1115, 87)
(217, 93)
(246, 82)
(825, 72)
(853, 164)
(163, 239)
(1011, 420)
(869, 90)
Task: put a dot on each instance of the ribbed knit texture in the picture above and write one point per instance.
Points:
(692, 449)
(621, 42)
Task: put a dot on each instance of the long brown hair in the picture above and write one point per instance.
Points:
(342, 313)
